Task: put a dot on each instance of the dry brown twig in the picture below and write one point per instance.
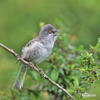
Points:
(42, 74)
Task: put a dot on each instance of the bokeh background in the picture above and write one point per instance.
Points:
(20, 21)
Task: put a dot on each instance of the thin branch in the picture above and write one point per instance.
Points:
(42, 74)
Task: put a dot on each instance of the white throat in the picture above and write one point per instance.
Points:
(50, 40)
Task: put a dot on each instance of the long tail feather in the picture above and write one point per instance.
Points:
(18, 84)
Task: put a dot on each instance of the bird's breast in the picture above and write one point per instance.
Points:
(44, 52)
(37, 52)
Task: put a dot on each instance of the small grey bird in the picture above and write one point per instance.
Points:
(37, 50)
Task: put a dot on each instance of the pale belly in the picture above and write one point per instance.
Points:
(44, 55)
(37, 52)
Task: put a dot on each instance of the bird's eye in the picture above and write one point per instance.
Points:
(50, 31)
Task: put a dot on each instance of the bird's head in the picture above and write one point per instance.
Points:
(48, 31)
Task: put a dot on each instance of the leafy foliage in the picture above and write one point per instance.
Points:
(73, 67)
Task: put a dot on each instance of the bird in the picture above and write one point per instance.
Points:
(36, 51)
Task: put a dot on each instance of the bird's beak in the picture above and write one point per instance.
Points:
(55, 32)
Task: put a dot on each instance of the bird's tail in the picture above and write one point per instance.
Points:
(18, 84)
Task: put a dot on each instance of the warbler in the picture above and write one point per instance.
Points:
(37, 50)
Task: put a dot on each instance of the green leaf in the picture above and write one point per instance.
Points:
(54, 75)
(35, 75)
(76, 82)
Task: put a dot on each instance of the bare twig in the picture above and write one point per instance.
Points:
(42, 74)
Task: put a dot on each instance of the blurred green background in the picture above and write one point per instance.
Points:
(20, 21)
